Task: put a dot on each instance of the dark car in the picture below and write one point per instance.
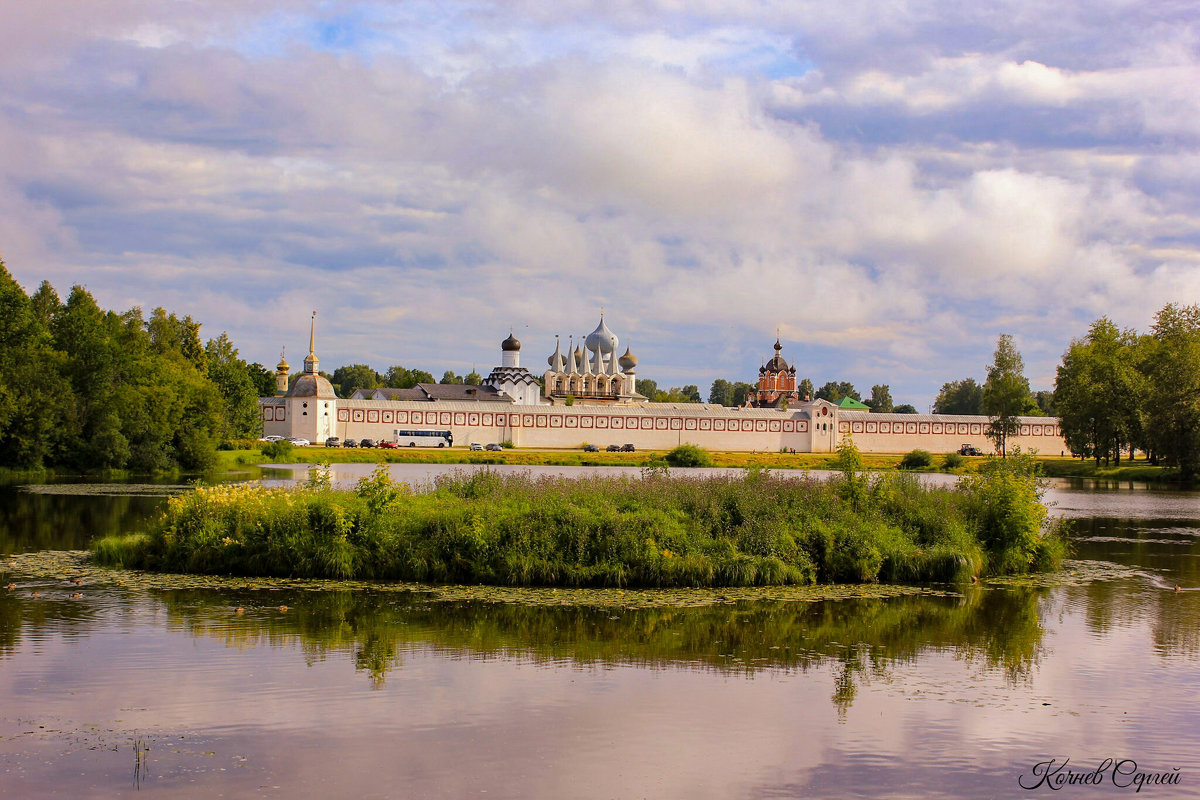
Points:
(350, 443)
(493, 446)
(613, 448)
(366, 443)
(628, 448)
(591, 448)
(388, 445)
(333, 441)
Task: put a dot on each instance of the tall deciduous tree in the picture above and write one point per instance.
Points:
(239, 393)
(1099, 391)
(960, 397)
(881, 399)
(834, 391)
(1172, 364)
(1005, 393)
(721, 392)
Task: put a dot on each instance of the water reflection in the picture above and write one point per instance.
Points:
(32, 521)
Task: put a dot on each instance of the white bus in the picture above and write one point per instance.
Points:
(423, 438)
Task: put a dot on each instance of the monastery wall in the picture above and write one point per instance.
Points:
(812, 427)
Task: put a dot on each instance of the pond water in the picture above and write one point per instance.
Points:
(111, 689)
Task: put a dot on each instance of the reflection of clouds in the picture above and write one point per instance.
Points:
(449, 722)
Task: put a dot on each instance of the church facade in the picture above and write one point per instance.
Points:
(605, 409)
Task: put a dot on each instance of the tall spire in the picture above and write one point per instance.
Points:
(311, 362)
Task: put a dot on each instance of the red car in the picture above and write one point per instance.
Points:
(389, 445)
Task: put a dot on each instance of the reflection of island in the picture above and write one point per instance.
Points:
(997, 628)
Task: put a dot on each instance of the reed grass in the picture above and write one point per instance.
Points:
(659, 530)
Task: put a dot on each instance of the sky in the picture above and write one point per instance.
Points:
(889, 184)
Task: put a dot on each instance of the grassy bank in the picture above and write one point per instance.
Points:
(603, 531)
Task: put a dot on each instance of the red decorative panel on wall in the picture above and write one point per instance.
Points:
(373, 415)
(527, 421)
(472, 419)
(910, 427)
(802, 426)
(418, 417)
(401, 416)
(389, 416)
(586, 422)
(923, 427)
(733, 425)
(885, 427)
(976, 428)
(541, 421)
(1024, 430)
(789, 426)
(964, 428)
(760, 425)
(718, 424)
(268, 413)
(937, 427)
(844, 427)
(857, 427)
(460, 418)
(572, 421)
(343, 415)
(489, 420)
(660, 424)
(443, 418)
(689, 424)
(872, 427)
(613, 422)
(556, 421)
(358, 415)
(647, 423)
(775, 425)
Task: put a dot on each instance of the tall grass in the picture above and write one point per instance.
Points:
(658, 530)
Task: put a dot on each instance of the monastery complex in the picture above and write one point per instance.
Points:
(590, 397)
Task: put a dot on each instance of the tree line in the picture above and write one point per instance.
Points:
(347, 380)
(1118, 391)
(86, 388)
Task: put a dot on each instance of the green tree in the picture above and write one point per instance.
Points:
(646, 387)
(1171, 362)
(421, 376)
(1045, 402)
(449, 377)
(262, 378)
(881, 399)
(1099, 392)
(742, 392)
(960, 397)
(904, 408)
(473, 378)
(805, 389)
(349, 379)
(1005, 393)
(834, 391)
(234, 381)
(721, 392)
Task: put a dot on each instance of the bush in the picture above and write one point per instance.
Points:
(278, 451)
(688, 455)
(953, 461)
(916, 459)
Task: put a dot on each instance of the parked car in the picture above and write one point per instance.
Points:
(613, 448)
(628, 448)
(475, 446)
(299, 441)
(591, 448)
(493, 446)
(271, 438)
(333, 441)
(350, 443)
(388, 445)
(366, 443)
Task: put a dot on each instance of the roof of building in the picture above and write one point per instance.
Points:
(500, 375)
(427, 392)
(850, 404)
(311, 385)
(510, 344)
